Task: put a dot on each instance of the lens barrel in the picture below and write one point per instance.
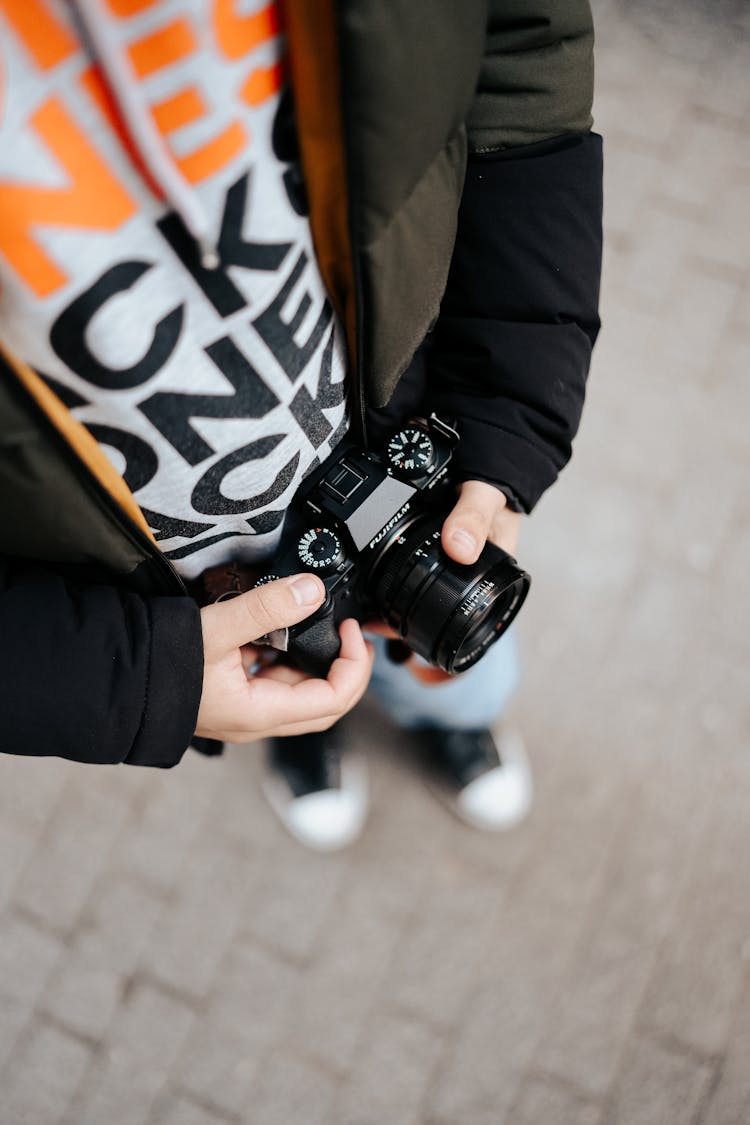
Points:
(446, 612)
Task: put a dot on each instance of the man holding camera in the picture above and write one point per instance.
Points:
(214, 264)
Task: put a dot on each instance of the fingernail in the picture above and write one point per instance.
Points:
(464, 539)
(307, 590)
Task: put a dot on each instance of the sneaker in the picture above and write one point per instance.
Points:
(318, 794)
(486, 785)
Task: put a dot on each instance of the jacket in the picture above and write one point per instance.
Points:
(455, 202)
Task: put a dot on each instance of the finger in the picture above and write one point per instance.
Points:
(350, 673)
(291, 729)
(466, 529)
(269, 703)
(346, 681)
(230, 624)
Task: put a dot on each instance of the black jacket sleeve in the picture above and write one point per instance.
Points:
(510, 352)
(96, 673)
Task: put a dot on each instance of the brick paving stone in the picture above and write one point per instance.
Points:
(718, 241)
(700, 310)
(544, 1102)
(659, 1084)
(390, 1074)
(655, 264)
(84, 993)
(594, 1015)
(173, 1110)
(290, 1092)
(291, 899)
(730, 629)
(344, 983)
(480, 1115)
(15, 850)
(27, 957)
(113, 931)
(29, 790)
(237, 808)
(119, 921)
(43, 1078)
(139, 1049)
(70, 853)
(698, 978)
(730, 1098)
(436, 964)
(14, 1018)
(157, 839)
(535, 934)
(193, 933)
(250, 997)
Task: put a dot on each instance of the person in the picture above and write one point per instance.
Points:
(224, 242)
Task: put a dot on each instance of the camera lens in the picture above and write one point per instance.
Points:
(447, 612)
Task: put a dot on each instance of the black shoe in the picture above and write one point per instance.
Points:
(486, 785)
(319, 795)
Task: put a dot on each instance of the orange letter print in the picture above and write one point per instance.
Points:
(92, 199)
(44, 36)
(238, 35)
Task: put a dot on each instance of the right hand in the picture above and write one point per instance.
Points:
(277, 700)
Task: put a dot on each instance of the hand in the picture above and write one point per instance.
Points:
(481, 513)
(277, 700)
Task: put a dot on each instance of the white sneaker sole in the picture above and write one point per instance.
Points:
(330, 819)
(499, 799)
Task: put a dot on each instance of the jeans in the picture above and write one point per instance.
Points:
(472, 699)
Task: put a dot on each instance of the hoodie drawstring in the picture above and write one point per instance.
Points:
(147, 139)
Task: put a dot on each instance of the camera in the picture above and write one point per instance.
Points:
(369, 526)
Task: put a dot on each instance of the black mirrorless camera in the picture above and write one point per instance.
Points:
(369, 525)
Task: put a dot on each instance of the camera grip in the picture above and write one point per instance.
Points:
(315, 648)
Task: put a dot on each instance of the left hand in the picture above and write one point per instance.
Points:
(481, 513)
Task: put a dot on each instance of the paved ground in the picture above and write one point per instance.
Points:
(168, 957)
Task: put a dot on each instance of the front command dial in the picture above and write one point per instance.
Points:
(320, 549)
(411, 452)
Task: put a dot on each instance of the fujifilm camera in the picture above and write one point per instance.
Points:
(368, 525)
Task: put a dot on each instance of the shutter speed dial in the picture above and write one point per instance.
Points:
(320, 549)
(411, 452)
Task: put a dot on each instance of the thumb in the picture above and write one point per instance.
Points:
(466, 529)
(238, 621)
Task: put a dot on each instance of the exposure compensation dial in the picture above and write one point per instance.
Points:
(320, 549)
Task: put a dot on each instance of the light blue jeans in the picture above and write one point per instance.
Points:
(476, 698)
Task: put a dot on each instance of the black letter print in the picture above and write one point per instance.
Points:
(171, 411)
(67, 395)
(166, 527)
(68, 333)
(278, 334)
(141, 462)
(309, 411)
(207, 495)
(233, 251)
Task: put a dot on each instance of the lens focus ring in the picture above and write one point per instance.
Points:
(448, 612)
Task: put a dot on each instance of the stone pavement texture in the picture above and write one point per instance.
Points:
(169, 957)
